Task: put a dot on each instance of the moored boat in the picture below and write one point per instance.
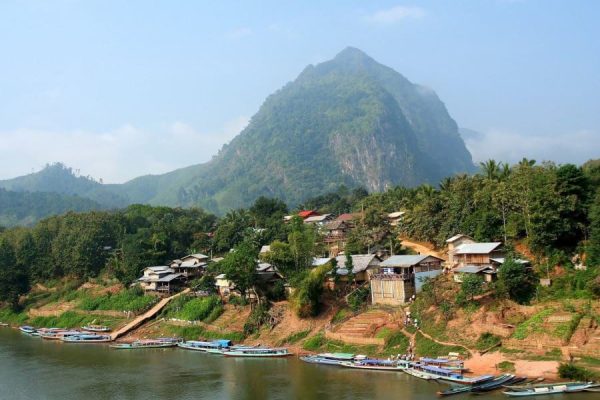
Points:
(258, 352)
(87, 338)
(144, 344)
(230, 348)
(422, 371)
(96, 328)
(377, 364)
(552, 388)
(205, 346)
(3, 324)
(453, 365)
(29, 330)
(56, 334)
(331, 358)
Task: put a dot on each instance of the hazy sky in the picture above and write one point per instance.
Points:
(119, 89)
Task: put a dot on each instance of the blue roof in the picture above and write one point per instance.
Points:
(439, 370)
(434, 360)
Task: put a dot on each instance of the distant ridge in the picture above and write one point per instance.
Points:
(348, 121)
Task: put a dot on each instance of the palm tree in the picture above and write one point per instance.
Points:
(491, 169)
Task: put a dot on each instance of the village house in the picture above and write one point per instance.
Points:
(161, 279)
(454, 242)
(318, 219)
(267, 274)
(336, 233)
(400, 277)
(191, 266)
(362, 267)
(302, 214)
(395, 218)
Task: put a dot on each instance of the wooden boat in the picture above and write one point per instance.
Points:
(205, 346)
(96, 328)
(87, 338)
(497, 382)
(418, 374)
(58, 334)
(230, 348)
(377, 364)
(446, 374)
(29, 330)
(446, 363)
(258, 352)
(3, 324)
(331, 358)
(144, 344)
(553, 388)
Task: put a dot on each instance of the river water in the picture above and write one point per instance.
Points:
(31, 368)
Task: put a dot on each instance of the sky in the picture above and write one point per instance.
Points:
(119, 89)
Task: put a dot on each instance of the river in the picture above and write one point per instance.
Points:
(31, 368)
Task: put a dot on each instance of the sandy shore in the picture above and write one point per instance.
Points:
(486, 364)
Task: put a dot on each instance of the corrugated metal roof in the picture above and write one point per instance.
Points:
(396, 214)
(501, 260)
(360, 262)
(317, 218)
(403, 261)
(456, 237)
(470, 269)
(477, 248)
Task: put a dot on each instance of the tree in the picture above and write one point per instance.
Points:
(516, 281)
(240, 267)
(593, 246)
(472, 285)
(13, 280)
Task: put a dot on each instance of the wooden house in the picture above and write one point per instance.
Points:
(477, 254)
(336, 234)
(161, 279)
(363, 266)
(191, 266)
(400, 277)
(454, 242)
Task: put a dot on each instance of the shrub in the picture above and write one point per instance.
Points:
(257, 318)
(308, 292)
(294, 337)
(132, 299)
(487, 340)
(571, 371)
(358, 299)
(194, 308)
(506, 366)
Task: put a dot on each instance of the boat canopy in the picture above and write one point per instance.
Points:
(437, 370)
(223, 342)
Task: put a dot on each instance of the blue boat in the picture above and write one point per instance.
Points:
(376, 364)
(331, 358)
(430, 372)
(87, 338)
(29, 330)
(205, 346)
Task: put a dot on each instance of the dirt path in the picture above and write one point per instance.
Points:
(422, 248)
(146, 316)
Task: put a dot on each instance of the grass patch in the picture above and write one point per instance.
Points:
(427, 347)
(10, 317)
(198, 332)
(383, 333)
(340, 316)
(532, 325)
(319, 343)
(510, 351)
(551, 355)
(132, 299)
(395, 343)
(72, 319)
(506, 366)
(591, 361)
(487, 340)
(294, 337)
(194, 308)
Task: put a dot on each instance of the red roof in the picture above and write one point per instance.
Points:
(348, 217)
(307, 213)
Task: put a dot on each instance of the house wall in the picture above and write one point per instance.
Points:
(391, 292)
(421, 276)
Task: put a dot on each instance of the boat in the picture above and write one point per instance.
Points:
(377, 364)
(331, 358)
(55, 334)
(144, 344)
(87, 338)
(258, 352)
(492, 384)
(205, 346)
(454, 365)
(418, 374)
(230, 348)
(29, 330)
(422, 371)
(552, 388)
(96, 328)
(3, 324)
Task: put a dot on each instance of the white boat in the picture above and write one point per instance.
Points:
(258, 352)
(87, 338)
(377, 364)
(556, 388)
(29, 330)
(197, 345)
(96, 328)
(331, 358)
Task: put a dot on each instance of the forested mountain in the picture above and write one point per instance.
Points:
(349, 121)
(25, 208)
